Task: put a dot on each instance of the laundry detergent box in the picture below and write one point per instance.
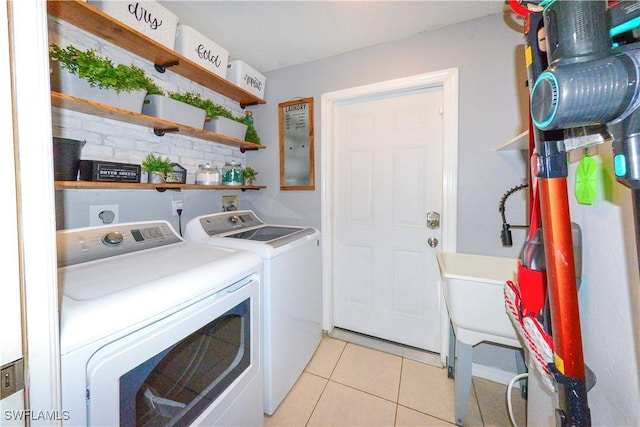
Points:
(193, 45)
(245, 76)
(145, 16)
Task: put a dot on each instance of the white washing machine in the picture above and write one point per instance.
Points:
(292, 290)
(158, 331)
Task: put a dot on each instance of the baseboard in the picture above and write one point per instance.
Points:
(492, 374)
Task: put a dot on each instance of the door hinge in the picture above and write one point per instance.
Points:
(11, 378)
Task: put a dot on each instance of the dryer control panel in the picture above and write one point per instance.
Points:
(81, 245)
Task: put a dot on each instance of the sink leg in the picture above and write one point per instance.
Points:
(451, 364)
(522, 368)
(464, 356)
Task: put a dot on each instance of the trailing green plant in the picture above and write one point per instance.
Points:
(216, 110)
(153, 163)
(101, 72)
(250, 174)
(213, 110)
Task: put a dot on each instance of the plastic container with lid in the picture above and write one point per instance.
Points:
(232, 173)
(208, 174)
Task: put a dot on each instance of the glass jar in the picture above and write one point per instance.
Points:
(232, 173)
(208, 175)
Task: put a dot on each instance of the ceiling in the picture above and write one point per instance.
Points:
(274, 34)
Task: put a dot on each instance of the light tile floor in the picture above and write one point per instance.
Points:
(346, 384)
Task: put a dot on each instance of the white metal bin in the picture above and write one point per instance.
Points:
(243, 75)
(201, 50)
(148, 17)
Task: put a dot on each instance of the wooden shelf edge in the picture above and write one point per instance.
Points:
(519, 142)
(147, 186)
(96, 22)
(68, 102)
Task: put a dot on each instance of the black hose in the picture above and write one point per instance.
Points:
(504, 198)
(505, 234)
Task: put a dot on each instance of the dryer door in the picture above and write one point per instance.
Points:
(180, 367)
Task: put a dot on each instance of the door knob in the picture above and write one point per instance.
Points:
(432, 241)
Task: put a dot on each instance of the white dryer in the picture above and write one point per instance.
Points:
(292, 290)
(158, 331)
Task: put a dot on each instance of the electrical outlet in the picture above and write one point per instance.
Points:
(177, 204)
(104, 215)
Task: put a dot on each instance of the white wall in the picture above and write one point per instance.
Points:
(491, 98)
(609, 294)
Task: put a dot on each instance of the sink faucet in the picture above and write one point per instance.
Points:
(505, 235)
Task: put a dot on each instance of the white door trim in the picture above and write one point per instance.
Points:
(448, 79)
(36, 199)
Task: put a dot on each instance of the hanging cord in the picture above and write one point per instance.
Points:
(179, 211)
(509, 388)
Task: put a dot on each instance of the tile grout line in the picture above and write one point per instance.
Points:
(326, 384)
(475, 396)
(403, 359)
(395, 420)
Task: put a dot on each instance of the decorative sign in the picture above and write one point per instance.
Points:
(296, 145)
(178, 175)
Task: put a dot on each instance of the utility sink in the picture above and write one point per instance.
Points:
(473, 288)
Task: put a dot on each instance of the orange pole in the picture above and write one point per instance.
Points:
(561, 277)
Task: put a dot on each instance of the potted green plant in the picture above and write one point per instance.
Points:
(219, 119)
(157, 168)
(250, 175)
(252, 134)
(86, 75)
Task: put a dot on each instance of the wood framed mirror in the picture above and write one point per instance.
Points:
(297, 171)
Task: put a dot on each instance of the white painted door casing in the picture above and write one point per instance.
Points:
(35, 199)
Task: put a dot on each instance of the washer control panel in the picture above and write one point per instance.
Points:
(80, 245)
(224, 222)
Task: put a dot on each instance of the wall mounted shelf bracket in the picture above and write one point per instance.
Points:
(163, 189)
(161, 132)
(248, 104)
(162, 68)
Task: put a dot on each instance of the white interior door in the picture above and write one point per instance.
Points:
(387, 177)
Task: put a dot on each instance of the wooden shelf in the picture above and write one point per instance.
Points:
(519, 142)
(96, 22)
(145, 186)
(96, 109)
